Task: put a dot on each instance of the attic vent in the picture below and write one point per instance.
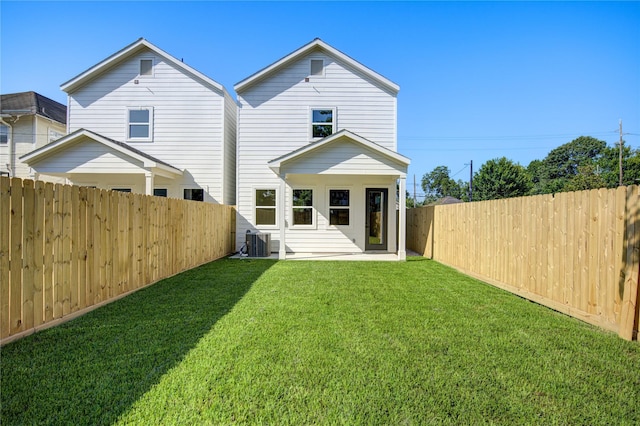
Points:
(146, 67)
(317, 67)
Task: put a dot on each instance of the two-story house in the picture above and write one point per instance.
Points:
(28, 121)
(143, 121)
(318, 166)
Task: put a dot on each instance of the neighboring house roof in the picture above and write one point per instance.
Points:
(446, 200)
(80, 134)
(30, 103)
(315, 45)
(133, 49)
(362, 143)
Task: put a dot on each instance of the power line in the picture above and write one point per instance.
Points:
(459, 171)
(511, 137)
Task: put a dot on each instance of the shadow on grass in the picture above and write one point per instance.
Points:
(92, 369)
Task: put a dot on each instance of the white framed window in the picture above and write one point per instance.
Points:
(265, 202)
(120, 189)
(339, 207)
(303, 212)
(194, 194)
(146, 67)
(323, 122)
(316, 68)
(140, 124)
(54, 135)
(160, 192)
(4, 134)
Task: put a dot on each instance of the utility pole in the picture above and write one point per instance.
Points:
(471, 181)
(620, 159)
(415, 200)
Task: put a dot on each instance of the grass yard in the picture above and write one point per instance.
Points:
(292, 342)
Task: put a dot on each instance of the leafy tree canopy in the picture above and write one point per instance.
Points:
(562, 164)
(501, 178)
(438, 184)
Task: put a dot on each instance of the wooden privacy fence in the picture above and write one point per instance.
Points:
(576, 252)
(66, 249)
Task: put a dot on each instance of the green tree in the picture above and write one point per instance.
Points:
(501, 178)
(610, 165)
(589, 176)
(438, 184)
(561, 165)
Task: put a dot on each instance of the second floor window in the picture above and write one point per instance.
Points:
(139, 126)
(4, 134)
(322, 122)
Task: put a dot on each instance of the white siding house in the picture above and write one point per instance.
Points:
(143, 121)
(318, 166)
(28, 121)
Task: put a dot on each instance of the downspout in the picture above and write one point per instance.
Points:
(11, 164)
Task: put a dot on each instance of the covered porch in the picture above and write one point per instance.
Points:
(339, 199)
(89, 159)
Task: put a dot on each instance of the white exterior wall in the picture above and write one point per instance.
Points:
(337, 238)
(188, 119)
(229, 155)
(275, 119)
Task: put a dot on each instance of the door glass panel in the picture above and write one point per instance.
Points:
(376, 225)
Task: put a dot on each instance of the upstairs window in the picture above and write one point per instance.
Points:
(146, 67)
(317, 68)
(4, 134)
(139, 124)
(54, 135)
(322, 122)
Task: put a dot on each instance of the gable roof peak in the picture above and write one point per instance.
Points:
(125, 53)
(316, 43)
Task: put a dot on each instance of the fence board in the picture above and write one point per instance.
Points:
(105, 247)
(81, 247)
(38, 250)
(5, 213)
(28, 253)
(58, 270)
(629, 314)
(15, 259)
(67, 219)
(48, 251)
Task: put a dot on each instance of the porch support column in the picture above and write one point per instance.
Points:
(282, 223)
(148, 183)
(402, 220)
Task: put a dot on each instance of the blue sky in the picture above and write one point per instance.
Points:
(478, 80)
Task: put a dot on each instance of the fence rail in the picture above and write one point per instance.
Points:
(66, 249)
(576, 252)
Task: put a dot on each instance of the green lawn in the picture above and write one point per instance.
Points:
(292, 342)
